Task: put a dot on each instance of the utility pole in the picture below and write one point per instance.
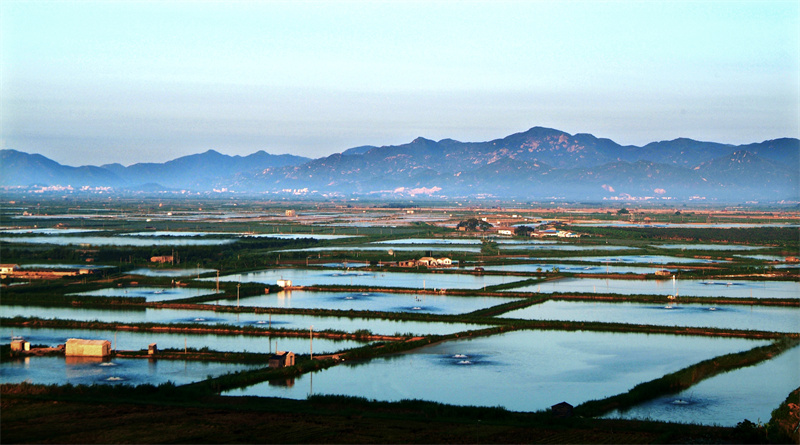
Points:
(311, 340)
(237, 294)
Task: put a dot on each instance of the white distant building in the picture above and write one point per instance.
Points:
(285, 283)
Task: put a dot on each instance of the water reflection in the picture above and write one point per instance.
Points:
(686, 288)
(727, 399)
(372, 301)
(89, 371)
(411, 280)
(546, 366)
(760, 318)
(151, 315)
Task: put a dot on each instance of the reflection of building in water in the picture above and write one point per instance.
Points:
(281, 359)
(88, 348)
(287, 382)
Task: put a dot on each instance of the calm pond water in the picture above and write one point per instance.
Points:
(309, 277)
(48, 231)
(150, 293)
(63, 266)
(546, 366)
(130, 340)
(641, 259)
(748, 393)
(90, 370)
(169, 272)
(685, 288)
(707, 246)
(573, 268)
(371, 301)
(760, 318)
(402, 247)
(686, 225)
(472, 241)
(114, 241)
(376, 326)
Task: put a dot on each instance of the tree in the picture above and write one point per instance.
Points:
(523, 231)
(474, 224)
(623, 211)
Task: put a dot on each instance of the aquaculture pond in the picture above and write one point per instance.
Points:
(136, 341)
(413, 280)
(729, 316)
(117, 371)
(372, 301)
(573, 268)
(63, 266)
(707, 246)
(440, 247)
(266, 321)
(685, 288)
(115, 241)
(46, 231)
(521, 370)
(726, 399)
(146, 272)
(639, 259)
(150, 293)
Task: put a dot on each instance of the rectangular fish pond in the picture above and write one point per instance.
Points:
(139, 340)
(371, 301)
(726, 399)
(53, 370)
(150, 293)
(730, 316)
(686, 288)
(210, 318)
(410, 280)
(520, 370)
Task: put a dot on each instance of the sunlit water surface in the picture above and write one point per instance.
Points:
(746, 317)
(521, 370)
(726, 399)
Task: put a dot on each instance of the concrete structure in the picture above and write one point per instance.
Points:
(162, 259)
(281, 359)
(291, 213)
(88, 348)
(152, 349)
(285, 283)
(663, 273)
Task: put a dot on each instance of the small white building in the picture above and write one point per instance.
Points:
(8, 269)
(284, 283)
(87, 348)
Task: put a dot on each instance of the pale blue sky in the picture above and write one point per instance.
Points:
(115, 81)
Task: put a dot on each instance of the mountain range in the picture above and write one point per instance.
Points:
(540, 163)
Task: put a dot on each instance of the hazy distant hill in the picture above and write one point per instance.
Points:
(195, 172)
(537, 163)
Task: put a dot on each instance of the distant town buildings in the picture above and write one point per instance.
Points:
(162, 259)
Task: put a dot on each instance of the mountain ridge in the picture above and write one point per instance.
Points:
(530, 164)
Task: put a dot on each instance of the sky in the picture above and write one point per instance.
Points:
(90, 83)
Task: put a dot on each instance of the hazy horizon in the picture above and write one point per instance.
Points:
(90, 83)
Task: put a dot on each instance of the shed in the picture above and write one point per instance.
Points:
(152, 349)
(285, 283)
(281, 359)
(562, 410)
(88, 348)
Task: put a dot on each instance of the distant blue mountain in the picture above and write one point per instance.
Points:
(538, 163)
